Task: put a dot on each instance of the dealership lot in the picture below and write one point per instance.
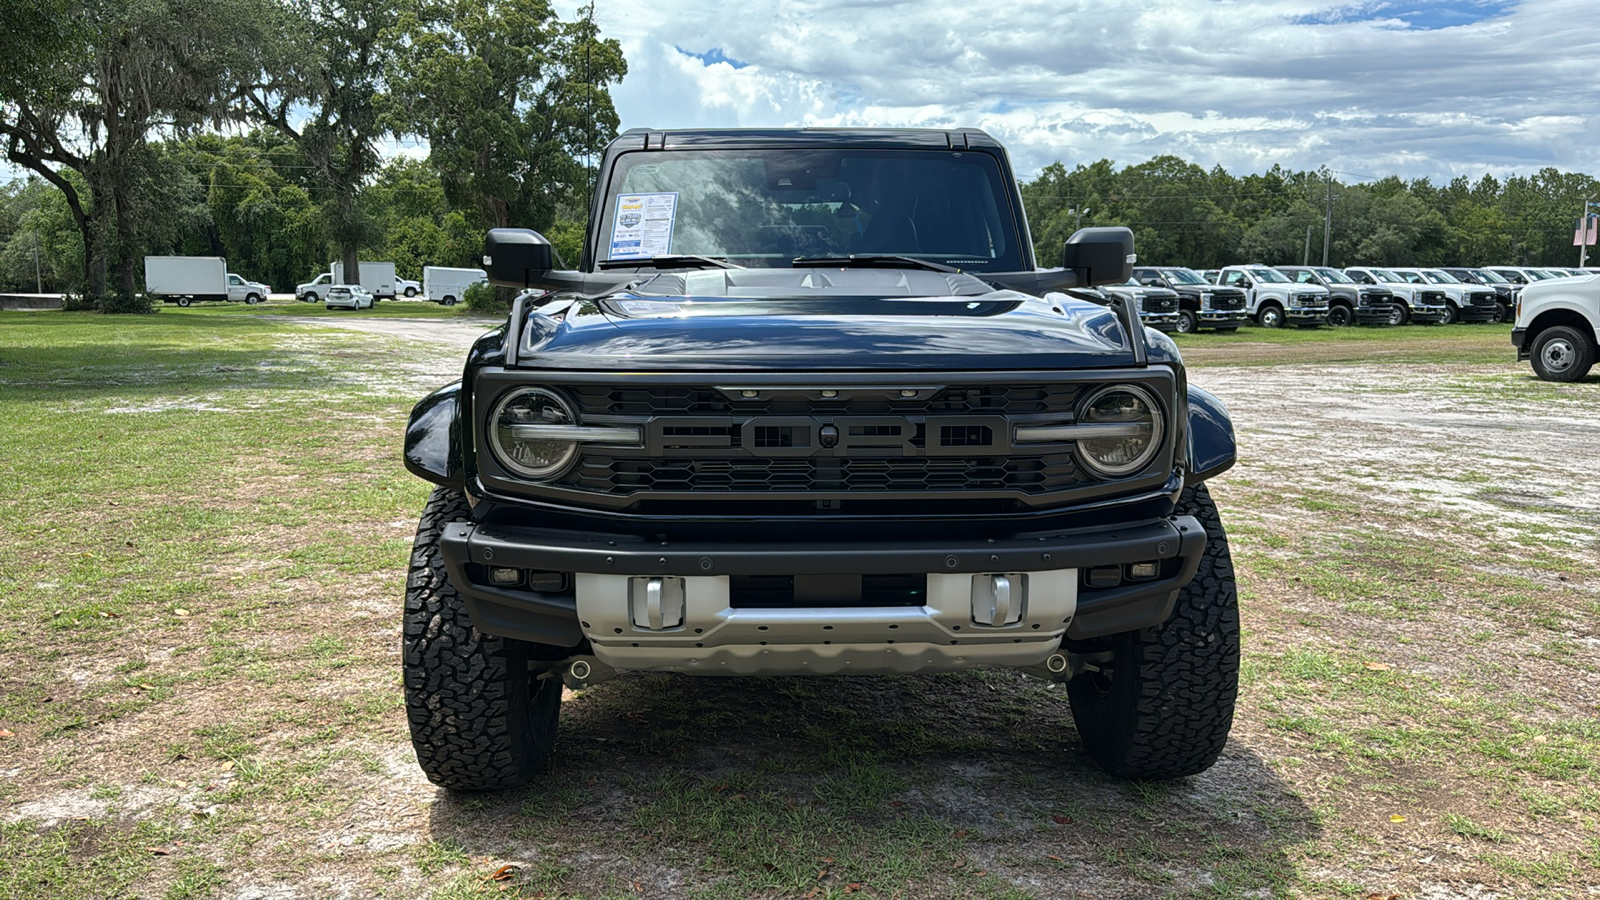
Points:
(206, 532)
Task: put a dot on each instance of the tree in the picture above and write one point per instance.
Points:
(510, 98)
(116, 72)
(331, 55)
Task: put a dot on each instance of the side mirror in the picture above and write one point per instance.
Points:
(1103, 255)
(516, 257)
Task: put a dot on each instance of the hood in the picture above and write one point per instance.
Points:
(821, 319)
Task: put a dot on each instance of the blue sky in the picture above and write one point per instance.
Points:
(1410, 87)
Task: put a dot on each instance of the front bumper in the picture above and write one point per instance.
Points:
(1479, 314)
(1160, 321)
(1372, 315)
(1222, 317)
(1519, 340)
(1427, 315)
(721, 634)
(1306, 315)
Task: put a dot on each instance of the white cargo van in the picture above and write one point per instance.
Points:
(186, 279)
(443, 284)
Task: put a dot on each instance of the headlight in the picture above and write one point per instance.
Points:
(1132, 427)
(532, 452)
(1205, 299)
(535, 434)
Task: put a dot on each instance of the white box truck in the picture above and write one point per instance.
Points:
(377, 277)
(186, 279)
(443, 284)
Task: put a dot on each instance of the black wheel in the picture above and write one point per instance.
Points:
(1399, 313)
(1502, 312)
(449, 301)
(1163, 705)
(1452, 314)
(479, 720)
(252, 299)
(311, 297)
(1270, 316)
(1188, 322)
(410, 292)
(1562, 353)
(1340, 315)
(184, 301)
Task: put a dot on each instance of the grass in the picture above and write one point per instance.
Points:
(206, 532)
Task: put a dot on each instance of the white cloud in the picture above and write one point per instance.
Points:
(1367, 87)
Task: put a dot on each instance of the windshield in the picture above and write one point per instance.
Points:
(1440, 277)
(1268, 275)
(1490, 276)
(1184, 276)
(1334, 276)
(764, 207)
(1386, 275)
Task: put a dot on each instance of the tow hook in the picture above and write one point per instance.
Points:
(585, 671)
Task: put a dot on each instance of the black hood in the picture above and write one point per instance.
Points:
(821, 319)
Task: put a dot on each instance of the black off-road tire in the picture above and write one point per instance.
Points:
(1163, 706)
(1340, 315)
(479, 720)
(1562, 353)
(1452, 313)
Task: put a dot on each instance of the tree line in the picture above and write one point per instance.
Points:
(272, 132)
(1185, 215)
(255, 129)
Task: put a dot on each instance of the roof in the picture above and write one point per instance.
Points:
(920, 138)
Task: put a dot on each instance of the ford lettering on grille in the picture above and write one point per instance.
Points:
(842, 436)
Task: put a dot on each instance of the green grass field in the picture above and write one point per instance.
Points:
(204, 527)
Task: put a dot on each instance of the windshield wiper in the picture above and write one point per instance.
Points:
(868, 261)
(669, 262)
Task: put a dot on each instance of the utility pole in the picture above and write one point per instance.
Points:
(1327, 222)
(1306, 260)
(1078, 214)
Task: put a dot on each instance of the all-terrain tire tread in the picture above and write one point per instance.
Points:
(478, 722)
(1173, 719)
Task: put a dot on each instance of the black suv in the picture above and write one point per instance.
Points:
(1201, 304)
(1349, 302)
(807, 405)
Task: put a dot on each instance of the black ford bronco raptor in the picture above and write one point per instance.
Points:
(807, 405)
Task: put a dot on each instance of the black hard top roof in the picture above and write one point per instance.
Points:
(918, 138)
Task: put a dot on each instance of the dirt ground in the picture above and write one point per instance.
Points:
(1416, 547)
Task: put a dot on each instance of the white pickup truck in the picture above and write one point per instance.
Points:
(1558, 327)
(1273, 299)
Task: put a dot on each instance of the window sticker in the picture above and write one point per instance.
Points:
(643, 225)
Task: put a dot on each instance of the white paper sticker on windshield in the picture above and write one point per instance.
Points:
(643, 225)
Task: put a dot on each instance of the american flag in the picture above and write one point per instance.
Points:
(1586, 232)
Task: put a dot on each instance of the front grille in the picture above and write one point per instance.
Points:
(718, 442)
(1431, 298)
(1161, 304)
(1221, 301)
(609, 474)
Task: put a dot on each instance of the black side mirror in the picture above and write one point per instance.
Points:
(516, 257)
(1103, 255)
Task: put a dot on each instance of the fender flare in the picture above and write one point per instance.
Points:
(433, 449)
(1212, 449)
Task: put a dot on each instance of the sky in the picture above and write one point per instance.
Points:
(1415, 88)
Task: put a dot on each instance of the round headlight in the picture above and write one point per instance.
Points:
(1130, 448)
(526, 454)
